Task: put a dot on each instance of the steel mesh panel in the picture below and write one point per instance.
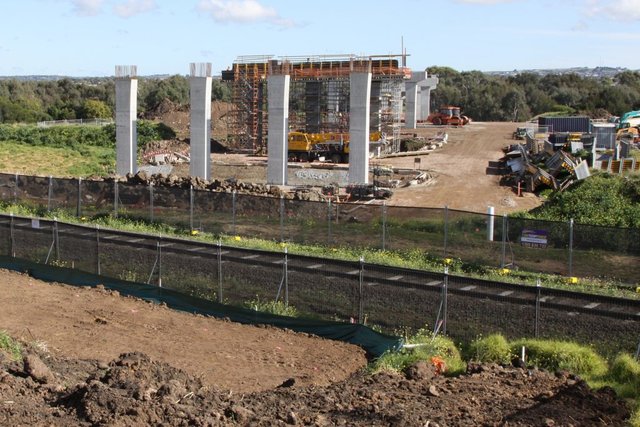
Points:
(213, 212)
(77, 247)
(171, 206)
(247, 277)
(32, 239)
(64, 194)
(33, 190)
(415, 228)
(467, 238)
(607, 252)
(128, 256)
(258, 216)
(306, 222)
(134, 201)
(96, 197)
(325, 290)
(396, 298)
(190, 268)
(357, 225)
(7, 187)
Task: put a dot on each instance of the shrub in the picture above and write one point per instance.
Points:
(626, 370)
(562, 355)
(491, 349)
(272, 307)
(441, 347)
(10, 346)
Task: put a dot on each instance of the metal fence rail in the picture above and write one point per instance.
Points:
(390, 298)
(482, 240)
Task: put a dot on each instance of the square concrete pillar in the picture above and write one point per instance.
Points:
(278, 130)
(126, 120)
(359, 119)
(426, 86)
(200, 120)
(411, 99)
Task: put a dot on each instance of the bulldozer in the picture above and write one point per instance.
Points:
(448, 115)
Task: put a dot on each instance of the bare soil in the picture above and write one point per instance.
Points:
(97, 358)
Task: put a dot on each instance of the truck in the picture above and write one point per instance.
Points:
(330, 146)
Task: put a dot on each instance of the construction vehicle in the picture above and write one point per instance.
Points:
(629, 119)
(328, 146)
(448, 115)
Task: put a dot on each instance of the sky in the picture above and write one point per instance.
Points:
(90, 37)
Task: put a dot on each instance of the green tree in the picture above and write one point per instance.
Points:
(95, 109)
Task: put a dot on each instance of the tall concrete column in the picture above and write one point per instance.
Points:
(359, 119)
(426, 86)
(411, 99)
(200, 120)
(126, 116)
(278, 130)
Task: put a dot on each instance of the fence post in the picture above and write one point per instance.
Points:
(233, 213)
(384, 225)
(286, 276)
(98, 249)
(79, 205)
(571, 247)
(329, 225)
(160, 262)
(15, 190)
(219, 256)
(12, 238)
(116, 196)
(538, 290)
(56, 238)
(446, 229)
(504, 241)
(445, 291)
(360, 292)
(191, 200)
(49, 193)
(150, 201)
(282, 218)
(490, 223)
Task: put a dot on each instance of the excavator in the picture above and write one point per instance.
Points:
(448, 115)
(333, 146)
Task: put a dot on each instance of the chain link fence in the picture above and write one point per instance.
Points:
(395, 300)
(479, 240)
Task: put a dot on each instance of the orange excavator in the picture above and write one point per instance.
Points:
(448, 115)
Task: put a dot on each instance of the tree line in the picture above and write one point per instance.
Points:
(520, 97)
(28, 101)
(483, 97)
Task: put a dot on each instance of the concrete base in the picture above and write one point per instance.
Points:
(126, 126)
(278, 89)
(359, 120)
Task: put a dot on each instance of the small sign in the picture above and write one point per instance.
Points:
(35, 223)
(416, 162)
(534, 238)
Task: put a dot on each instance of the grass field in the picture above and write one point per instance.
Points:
(42, 160)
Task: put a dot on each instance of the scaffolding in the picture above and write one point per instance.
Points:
(319, 95)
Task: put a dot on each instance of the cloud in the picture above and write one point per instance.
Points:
(133, 7)
(242, 11)
(617, 10)
(87, 7)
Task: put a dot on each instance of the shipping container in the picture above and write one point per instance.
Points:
(566, 124)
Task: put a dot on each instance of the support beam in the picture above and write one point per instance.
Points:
(278, 130)
(200, 122)
(126, 116)
(359, 119)
(411, 99)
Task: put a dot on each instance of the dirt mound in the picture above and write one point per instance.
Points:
(135, 390)
(177, 117)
